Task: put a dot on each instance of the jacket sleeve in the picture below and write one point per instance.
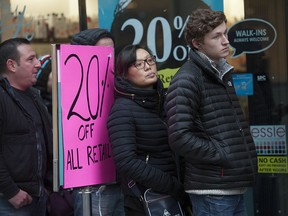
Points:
(187, 136)
(7, 186)
(122, 133)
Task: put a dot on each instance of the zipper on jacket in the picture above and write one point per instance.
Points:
(147, 158)
(40, 163)
(40, 149)
(164, 123)
(123, 93)
(243, 135)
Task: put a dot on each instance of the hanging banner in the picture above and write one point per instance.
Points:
(158, 24)
(85, 79)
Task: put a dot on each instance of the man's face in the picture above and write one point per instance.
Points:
(215, 44)
(26, 70)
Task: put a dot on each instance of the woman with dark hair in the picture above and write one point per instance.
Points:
(137, 129)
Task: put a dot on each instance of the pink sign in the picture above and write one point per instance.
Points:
(86, 82)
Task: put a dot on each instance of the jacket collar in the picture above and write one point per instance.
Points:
(149, 98)
(221, 68)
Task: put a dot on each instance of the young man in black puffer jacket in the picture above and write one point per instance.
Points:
(206, 125)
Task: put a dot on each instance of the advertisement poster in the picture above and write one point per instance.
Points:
(158, 24)
(85, 80)
(270, 141)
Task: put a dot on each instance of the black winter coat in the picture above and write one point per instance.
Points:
(207, 127)
(139, 139)
(19, 152)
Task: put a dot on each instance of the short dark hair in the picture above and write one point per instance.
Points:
(201, 22)
(126, 57)
(9, 50)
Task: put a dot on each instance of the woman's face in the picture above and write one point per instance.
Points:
(143, 73)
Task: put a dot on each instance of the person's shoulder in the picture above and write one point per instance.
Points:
(187, 72)
(189, 66)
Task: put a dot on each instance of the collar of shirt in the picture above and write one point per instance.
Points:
(221, 68)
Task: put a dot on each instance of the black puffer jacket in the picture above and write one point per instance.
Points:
(20, 167)
(206, 126)
(139, 139)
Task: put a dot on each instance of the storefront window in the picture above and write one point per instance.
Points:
(44, 22)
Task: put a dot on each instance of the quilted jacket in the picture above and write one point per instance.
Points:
(207, 127)
(139, 139)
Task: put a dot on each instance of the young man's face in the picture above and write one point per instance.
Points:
(215, 44)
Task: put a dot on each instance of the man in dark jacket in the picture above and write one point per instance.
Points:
(206, 125)
(26, 133)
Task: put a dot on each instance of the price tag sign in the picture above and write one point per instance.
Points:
(85, 86)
